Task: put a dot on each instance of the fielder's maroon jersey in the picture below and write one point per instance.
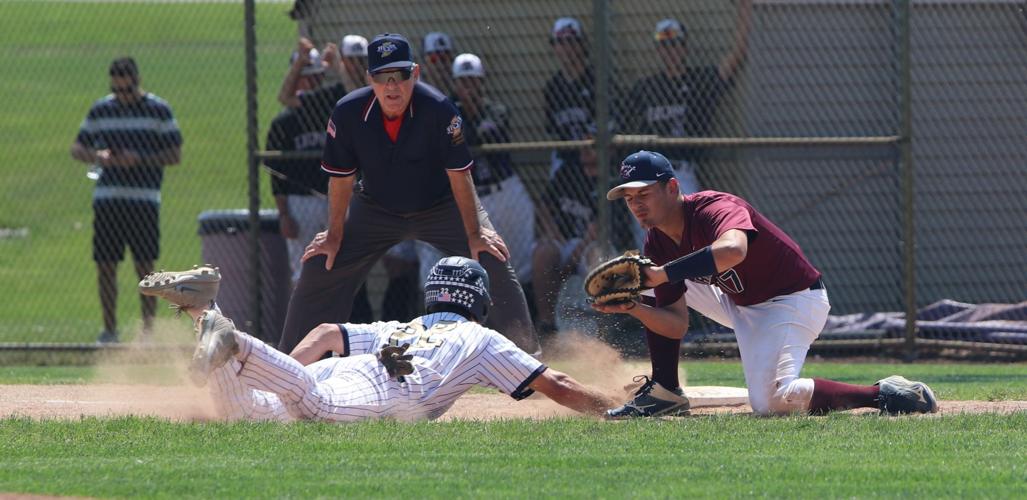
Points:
(774, 264)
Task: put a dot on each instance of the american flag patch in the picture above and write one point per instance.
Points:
(331, 128)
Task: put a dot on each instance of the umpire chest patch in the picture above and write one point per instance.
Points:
(455, 130)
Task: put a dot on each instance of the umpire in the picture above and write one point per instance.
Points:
(406, 140)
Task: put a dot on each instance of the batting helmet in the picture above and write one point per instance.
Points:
(458, 281)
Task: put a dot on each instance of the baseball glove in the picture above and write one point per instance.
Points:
(616, 281)
(197, 287)
(396, 363)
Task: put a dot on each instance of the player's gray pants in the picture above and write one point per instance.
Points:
(324, 296)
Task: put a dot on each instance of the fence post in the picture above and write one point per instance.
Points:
(252, 147)
(904, 8)
(601, 62)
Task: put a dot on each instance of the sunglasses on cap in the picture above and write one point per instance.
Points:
(385, 77)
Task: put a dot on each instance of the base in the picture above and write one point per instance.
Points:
(711, 395)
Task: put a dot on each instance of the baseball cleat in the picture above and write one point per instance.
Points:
(652, 400)
(898, 395)
(215, 346)
(197, 287)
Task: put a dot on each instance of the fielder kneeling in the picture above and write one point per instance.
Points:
(404, 371)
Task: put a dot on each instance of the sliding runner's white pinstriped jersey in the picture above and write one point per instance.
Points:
(450, 355)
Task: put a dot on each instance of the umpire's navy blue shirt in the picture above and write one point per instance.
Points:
(410, 174)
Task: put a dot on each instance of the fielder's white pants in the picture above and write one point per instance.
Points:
(513, 216)
(262, 383)
(773, 339)
(311, 216)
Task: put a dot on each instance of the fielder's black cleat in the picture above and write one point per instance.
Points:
(652, 400)
(899, 395)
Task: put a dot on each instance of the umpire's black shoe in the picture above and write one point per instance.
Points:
(652, 400)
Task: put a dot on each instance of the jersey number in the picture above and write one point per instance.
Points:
(421, 339)
(729, 281)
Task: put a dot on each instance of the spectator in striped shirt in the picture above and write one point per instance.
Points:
(129, 136)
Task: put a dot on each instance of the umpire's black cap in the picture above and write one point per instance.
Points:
(387, 51)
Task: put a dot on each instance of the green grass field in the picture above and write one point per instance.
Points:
(55, 58)
(843, 455)
(840, 456)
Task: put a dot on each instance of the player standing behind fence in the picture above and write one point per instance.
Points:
(499, 187)
(403, 371)
(406, 140)
(437, 51)
(570, 94)
(310, 90)
(132, 135)
(352, 66)
(299, 186)
(680, 100)
(716, 254)
(566, 231)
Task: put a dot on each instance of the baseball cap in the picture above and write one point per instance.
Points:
(437, 41)
(567, 27)
(312, 68)
(468, 65)
(388, 50)
(353, 46)
(668, 30)
(641, 169)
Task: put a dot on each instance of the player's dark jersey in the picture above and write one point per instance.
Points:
(570, 108)
(488, 127)
(319, 103)
(680, 106)
(408, 175)
(146, 127)
(302, 129)
(774, 264)
(571, 199)
(570, 105)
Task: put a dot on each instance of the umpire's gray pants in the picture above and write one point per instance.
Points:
(324, 296)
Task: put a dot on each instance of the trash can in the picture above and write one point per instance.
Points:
(225, 241)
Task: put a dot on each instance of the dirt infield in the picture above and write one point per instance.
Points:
(179, 403)
(587, 359)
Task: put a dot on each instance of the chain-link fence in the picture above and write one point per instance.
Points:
(857, 127)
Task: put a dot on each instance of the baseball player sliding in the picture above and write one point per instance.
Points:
(404, 371)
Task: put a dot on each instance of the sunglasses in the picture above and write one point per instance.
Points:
(129, 89)
(393, 76)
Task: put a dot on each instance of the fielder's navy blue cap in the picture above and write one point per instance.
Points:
(387, 51)
(641, 169)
